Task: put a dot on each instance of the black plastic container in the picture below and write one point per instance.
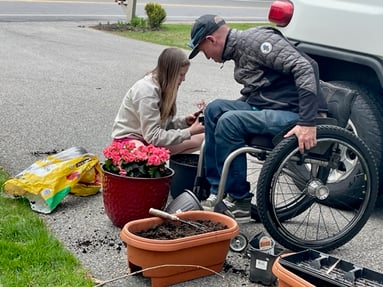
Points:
(185, 168)
(261, 264)
(322, 269)
(184, 202)
(262, 261)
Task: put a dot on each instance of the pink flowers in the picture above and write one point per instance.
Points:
(136, 161)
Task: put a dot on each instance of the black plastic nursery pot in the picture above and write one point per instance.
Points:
(185, 167)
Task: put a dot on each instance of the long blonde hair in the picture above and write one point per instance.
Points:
(166, 73)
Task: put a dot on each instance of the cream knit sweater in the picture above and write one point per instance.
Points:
(139, 117)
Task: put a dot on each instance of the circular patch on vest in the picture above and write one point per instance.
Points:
(266, 47)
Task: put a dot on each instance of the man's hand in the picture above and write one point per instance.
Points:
(306, 135)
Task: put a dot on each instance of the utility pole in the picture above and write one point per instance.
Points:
(129, 8)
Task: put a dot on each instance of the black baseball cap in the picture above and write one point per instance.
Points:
(203, 26)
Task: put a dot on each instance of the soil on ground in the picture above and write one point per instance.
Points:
(119, 27)
(172, 230)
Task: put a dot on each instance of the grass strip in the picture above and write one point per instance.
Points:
(29, 254)
(174, 35)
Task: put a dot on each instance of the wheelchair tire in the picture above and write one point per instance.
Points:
(317, 225)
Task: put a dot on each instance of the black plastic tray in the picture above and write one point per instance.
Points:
(324, 270)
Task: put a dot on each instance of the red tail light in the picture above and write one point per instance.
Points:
(281, 12)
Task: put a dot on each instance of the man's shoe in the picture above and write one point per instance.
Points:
(210, 202)
(238, 208)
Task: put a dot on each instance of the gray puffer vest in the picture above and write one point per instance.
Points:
(275, 75)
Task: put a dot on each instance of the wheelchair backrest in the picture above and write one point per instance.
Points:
(339, 100)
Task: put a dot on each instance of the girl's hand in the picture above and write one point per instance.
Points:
(196, 128)
(190, 119)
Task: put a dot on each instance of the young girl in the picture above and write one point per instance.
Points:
(147, 114)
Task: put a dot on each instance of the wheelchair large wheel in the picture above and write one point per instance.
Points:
(318, 225)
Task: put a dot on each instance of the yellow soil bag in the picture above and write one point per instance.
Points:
(46, 182)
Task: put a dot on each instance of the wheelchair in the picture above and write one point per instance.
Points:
(317, 200)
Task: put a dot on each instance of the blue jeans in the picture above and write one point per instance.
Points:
(228, 123)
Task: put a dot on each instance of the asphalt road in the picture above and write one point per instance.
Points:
(108, 10)
(61, 85)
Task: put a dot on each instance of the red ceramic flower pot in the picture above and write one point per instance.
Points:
(179, 255)
(129, 198)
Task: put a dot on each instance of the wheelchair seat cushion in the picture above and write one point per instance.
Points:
(264, 141)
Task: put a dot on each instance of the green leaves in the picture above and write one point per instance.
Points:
(156, 15)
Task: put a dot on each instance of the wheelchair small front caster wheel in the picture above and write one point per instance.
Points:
(238, 243)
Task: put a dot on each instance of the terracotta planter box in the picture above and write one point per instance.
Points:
(287, 278)
(208, 250)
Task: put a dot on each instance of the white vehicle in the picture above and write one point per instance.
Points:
(344, 37)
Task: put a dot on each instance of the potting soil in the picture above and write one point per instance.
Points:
(173, 230)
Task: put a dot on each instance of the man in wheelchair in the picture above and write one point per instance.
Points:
(280, 89)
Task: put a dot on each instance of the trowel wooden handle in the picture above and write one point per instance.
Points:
(162, 214)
